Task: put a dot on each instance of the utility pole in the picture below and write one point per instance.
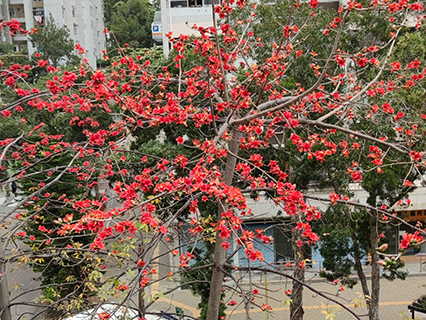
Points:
(165, 14)
(5, 313)
(5, 17)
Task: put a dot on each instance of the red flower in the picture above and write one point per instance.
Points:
(6, 113)
(10, 81)
(313, 3)
(122, 287)
(410, 240)
(340, 60)
(265, 307)
(104, 316)
(225, 245)
(356, 175)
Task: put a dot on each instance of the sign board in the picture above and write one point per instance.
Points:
(156, 29)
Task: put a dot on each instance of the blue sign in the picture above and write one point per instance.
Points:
(155, 28)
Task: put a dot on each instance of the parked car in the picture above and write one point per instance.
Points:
(115, 312)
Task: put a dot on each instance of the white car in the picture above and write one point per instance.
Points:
(116, 312)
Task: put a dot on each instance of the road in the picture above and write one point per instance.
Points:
(394, 299)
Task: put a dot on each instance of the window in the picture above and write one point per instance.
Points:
(179, 3)
(73, 12)
(190, 3)
(74, 29)
(283, 245)
(38, 14)
(209, 2)
(12, 12)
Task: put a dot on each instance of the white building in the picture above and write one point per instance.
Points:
(22, 11)
(84, 20)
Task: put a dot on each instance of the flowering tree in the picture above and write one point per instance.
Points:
(176, 149)
(54, 43)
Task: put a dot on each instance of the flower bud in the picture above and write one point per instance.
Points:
(383, 247)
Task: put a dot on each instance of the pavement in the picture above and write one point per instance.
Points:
(394, 297)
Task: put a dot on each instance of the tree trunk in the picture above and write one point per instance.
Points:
(373, 307)
(296, 306)
(215, 297)
(141, 300)
(4, 293)
(141, 290)
(359, 269)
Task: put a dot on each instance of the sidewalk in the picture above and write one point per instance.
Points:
(414, 264)
(394, 297)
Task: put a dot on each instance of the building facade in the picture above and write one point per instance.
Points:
(84, 20)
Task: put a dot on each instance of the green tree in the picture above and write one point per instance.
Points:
(131, 23)
(76, 273)
(54, 43)
(109, 8)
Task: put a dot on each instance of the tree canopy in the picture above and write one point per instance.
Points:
(54, 43)
(130, 23)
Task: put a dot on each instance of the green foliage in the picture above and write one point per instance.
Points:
(110, 7)
(410, 46)
(131, 23)
(54, 43)
(345, 238)
(6, 48)
(63, 272)
(372, 29)
(307, 41)
(65, 268)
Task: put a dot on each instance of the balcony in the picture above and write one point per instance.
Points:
(19, 19)
(20, 37)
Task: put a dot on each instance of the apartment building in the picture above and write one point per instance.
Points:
(84, 20)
